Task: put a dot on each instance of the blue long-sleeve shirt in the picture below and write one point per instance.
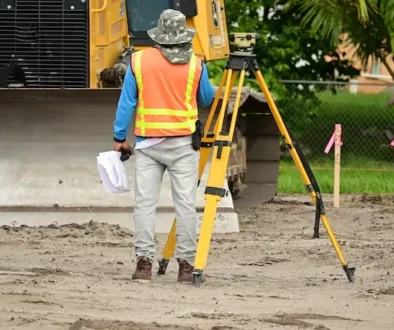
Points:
(129, 98)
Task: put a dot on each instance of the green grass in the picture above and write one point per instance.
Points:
(352, 181)
(351, 162)
(367, 160)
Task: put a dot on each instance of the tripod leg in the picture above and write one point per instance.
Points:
(214, 190)
(348, 270)
(313, 188)
(206, 145)
(168, 251)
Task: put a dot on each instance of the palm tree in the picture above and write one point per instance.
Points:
(366, 24)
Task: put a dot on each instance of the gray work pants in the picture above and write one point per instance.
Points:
(177, 156)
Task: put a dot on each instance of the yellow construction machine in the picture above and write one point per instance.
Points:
(61, 69)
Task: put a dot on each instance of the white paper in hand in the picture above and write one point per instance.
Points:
(113, 172)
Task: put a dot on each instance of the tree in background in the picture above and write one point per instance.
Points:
(286, 51)
(366, 24)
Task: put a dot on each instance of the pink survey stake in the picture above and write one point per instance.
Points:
(332, 140)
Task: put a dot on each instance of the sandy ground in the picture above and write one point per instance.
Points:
(272, 275)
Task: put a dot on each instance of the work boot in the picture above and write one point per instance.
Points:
(143, 271)
(185, 273)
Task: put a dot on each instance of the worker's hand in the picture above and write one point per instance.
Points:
(122, 146)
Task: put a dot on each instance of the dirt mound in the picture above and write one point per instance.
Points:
(73, 230)
(85, 324)
(298, 320)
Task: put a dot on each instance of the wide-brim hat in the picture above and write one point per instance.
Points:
(172, 29)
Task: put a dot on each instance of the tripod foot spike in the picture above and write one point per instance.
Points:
(349, 272)
(197, 278)
(163, 264)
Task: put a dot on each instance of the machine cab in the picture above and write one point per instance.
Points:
(206, 16)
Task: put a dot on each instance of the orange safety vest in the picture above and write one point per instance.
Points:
(167, 94)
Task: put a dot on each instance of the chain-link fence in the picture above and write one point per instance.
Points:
(367, 121)
(367, 155)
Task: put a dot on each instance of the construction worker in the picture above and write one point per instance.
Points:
(164, 86)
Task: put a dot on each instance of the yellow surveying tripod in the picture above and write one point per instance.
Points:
(240, 60)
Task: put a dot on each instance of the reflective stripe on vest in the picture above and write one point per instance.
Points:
(167, 95)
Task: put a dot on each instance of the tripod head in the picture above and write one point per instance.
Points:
(243, 43)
